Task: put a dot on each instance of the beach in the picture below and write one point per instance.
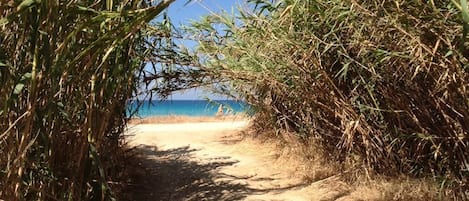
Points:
(215, 161)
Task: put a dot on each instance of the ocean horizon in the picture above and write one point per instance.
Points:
(147, 108)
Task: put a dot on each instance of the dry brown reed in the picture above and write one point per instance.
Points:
(67, 69)
(378, 84)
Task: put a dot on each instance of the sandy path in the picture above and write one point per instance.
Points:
(209, 161)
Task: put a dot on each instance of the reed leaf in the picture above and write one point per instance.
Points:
(380, 83)
(67, 70)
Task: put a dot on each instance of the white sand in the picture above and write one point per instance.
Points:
(209, 161)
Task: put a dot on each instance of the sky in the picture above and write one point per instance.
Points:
(181, 14)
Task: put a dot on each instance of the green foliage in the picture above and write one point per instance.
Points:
(385, 81)
(67, 70)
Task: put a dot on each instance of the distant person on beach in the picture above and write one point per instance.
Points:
(220, 112)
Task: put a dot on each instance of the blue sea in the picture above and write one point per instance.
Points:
(186, 107)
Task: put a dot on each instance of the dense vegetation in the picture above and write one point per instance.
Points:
(67, 69)
(377, 84)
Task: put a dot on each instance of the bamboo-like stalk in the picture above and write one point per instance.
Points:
(63, 66)
(378, 84)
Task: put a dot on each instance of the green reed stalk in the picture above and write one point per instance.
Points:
(67, 70)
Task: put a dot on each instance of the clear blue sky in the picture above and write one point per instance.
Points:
(181, 14)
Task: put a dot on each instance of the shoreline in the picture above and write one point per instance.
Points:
(176, 119)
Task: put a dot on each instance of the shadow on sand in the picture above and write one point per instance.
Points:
(172, 175)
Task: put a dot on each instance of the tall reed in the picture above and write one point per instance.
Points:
(67, 69)
(383, 83)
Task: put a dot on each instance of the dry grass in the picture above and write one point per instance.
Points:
(402, 188)
(307, 160)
